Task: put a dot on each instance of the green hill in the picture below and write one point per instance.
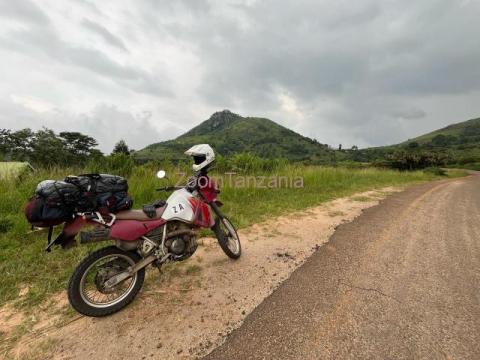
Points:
(455, 134)
(230, 133)
(459, 143)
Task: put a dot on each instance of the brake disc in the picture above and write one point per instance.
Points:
(107, 271)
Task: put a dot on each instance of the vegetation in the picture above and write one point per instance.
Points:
(230, 134)
(24, 264)
(457, 145)
(14, 169)
(121, 147)
(46, 148)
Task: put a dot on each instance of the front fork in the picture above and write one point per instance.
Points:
(216, 209)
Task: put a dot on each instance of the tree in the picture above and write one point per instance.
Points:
(5, 141)
(472, 130)
(121, 148)
(20, 144)
(48, 149)
(413, 160)
(443, 140)
(78, 143)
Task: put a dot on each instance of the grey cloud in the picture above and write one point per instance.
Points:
(111, 124)
(192, 6)
(295, 50)
(105, 34)
(90, 6)
(371, 56)
(45, 42)
(410, 114)
(364, 73)
(23, 10)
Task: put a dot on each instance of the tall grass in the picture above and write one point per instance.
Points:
(23, 263)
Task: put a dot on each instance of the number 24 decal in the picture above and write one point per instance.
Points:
(178, 208)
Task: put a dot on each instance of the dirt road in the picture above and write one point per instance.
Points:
(400, 282)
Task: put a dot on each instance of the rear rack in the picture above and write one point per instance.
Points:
(98, 218)
(91, 216)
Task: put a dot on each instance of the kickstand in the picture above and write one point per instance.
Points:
(158, 265)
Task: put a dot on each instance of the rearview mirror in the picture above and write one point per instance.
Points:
(161, 174)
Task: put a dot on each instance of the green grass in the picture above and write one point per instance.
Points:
(23, 263)
(13, 169)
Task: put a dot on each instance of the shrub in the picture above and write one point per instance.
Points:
(436, 171)
(414, 160)
(118, 164)
(5, 225)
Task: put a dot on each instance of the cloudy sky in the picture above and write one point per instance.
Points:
(366, 72)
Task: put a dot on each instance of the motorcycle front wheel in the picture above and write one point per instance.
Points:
(87, 292)
(227, 237)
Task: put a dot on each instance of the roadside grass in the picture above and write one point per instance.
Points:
(13, 169)
(193, 269)
(25, 265)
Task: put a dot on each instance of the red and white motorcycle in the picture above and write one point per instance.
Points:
(108, 279)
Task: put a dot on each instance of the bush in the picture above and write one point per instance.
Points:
(118, 164)
(5, 225)
(436, 171)
(247, 163)
(415, 160)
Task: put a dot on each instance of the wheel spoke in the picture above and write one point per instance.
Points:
(92, 283)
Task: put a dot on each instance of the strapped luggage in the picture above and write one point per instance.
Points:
(105, 193)
(53, 203)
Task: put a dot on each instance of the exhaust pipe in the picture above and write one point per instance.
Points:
(95, 235)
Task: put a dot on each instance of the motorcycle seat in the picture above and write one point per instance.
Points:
(139, 215)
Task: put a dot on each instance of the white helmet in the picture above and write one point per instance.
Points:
(202, 154)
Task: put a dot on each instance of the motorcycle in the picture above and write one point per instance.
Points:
(108, 279)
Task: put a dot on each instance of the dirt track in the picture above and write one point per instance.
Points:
(190, 309)
(400, 282)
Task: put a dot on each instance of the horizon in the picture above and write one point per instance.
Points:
(332, 145)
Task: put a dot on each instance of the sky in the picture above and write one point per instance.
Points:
(365, 73)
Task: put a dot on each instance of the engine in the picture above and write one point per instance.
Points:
(180, 240)
(183, 245)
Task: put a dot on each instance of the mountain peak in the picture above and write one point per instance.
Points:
(223, 117)
(217, 121)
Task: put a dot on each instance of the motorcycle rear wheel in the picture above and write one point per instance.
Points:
(84, 297)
